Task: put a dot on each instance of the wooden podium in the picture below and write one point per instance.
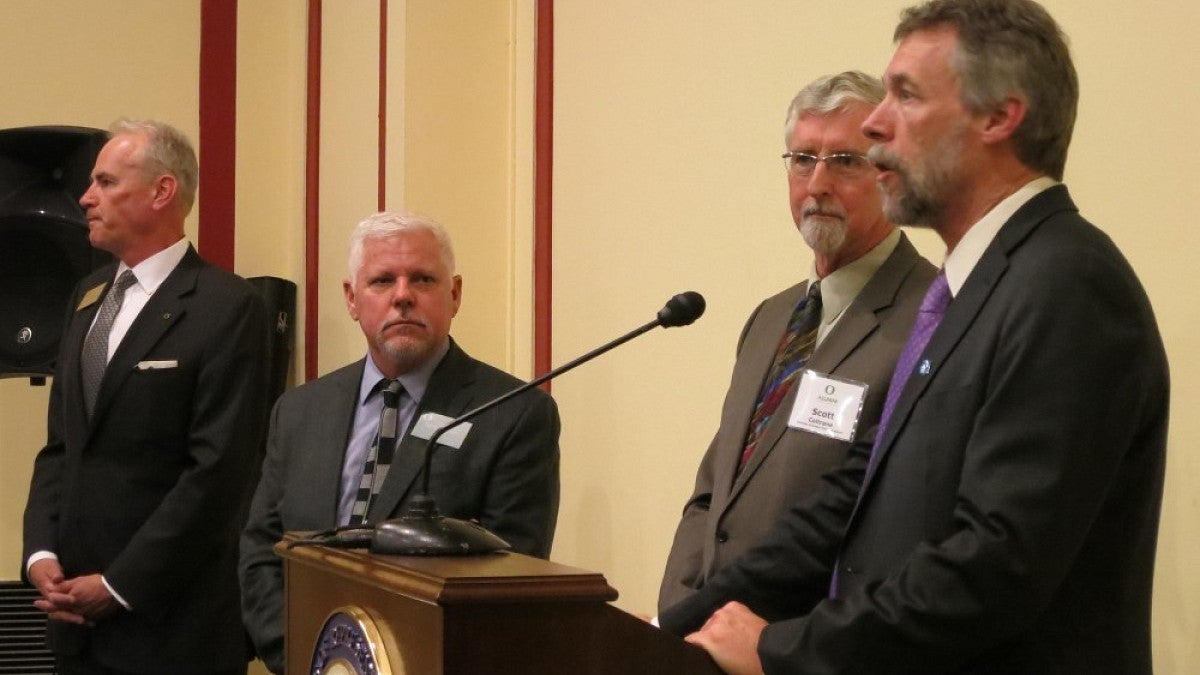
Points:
(491, 614)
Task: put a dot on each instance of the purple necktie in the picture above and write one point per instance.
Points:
(933, 308)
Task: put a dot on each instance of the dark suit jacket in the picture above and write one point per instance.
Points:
(1011, 524)
(505, 475)
(152, 492)
(725, 517)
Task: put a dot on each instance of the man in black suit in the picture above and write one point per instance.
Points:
(403, 292)
(155, 428)
(1008, 513)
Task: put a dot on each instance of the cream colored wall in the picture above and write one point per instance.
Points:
(78, 62)
(668, 128)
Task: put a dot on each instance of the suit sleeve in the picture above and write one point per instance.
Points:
(224, 438)
(796, 555)
(521, 504)
(45, 488)
(261, 571)
(685, 563)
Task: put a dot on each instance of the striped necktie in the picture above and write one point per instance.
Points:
(795, 348)
(94, 358)
(379, 457)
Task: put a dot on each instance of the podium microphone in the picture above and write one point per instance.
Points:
(423, 531)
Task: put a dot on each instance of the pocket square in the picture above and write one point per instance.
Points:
(157, 365)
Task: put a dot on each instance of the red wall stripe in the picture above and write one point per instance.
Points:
(218, 131)
(383, 73)
(542, 190)
(312, 190)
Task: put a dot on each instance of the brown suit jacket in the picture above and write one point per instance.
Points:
(724, 516)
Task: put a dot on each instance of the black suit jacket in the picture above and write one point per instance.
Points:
(726, 516)
(1011, 524)
(152, 492)
(505, 475)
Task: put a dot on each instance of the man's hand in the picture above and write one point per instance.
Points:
(730, 636)
(81, 600)
(90, 597)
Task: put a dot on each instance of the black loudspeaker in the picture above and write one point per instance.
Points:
(44, 249)
(280, 298)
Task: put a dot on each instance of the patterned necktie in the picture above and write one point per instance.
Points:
(379, 457)
(933, 308)
(94, 359)
(795, 347)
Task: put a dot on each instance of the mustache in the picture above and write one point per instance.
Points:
(816, 208)
(882, 159)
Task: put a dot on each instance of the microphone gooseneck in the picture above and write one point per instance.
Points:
(424, 531)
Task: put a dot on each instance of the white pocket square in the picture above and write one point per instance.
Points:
(157, 365)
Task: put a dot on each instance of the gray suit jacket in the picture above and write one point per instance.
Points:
(505, 475)
(724, 516)
(1011, 524)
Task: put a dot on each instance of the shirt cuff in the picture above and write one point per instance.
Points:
(116, 595)
(38, 556)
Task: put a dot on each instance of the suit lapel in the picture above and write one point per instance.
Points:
(449, 393)
(328, 444)
(965, 307)
(758, 354)
(68, 368)
(164, 309)
(859, 321)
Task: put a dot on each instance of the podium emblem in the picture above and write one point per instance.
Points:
(350, 644)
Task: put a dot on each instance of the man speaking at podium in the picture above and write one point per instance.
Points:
(327, 458)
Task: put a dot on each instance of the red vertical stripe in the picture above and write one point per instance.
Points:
(542, 190)
(218, 130)
(383, 72)
(312, 187)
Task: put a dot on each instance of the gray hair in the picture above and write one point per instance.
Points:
(825, 95)
(390, 224)
(167, 151)
(1010, 48)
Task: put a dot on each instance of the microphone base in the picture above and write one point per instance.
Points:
(423, 531)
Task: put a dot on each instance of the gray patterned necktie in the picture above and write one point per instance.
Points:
(95, 347)
(379, 457)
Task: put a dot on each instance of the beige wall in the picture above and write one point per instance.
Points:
(668, 128)
(667, 131)
(77, 62)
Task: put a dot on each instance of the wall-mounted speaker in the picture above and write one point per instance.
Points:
(44, 249)
(280, 298)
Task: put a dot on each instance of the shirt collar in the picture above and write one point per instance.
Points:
(414, 382)
(840, 287)
(971, 247)
(153, 271)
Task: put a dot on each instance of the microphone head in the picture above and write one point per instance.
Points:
(681, 310)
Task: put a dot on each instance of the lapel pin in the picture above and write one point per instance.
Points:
(166, 315)
(924, 367)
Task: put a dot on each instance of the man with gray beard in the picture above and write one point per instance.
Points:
(840, 330)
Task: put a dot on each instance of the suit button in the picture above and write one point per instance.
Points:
(722, 537)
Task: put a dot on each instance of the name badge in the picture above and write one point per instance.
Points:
(431, 422)
(90, 297)
(828, 406)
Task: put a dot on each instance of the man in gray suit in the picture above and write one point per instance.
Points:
(871, 281)
(403, 293)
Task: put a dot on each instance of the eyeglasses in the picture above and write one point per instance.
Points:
(840, 164)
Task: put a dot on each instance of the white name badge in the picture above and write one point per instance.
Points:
(431, 422)
(828, 406)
